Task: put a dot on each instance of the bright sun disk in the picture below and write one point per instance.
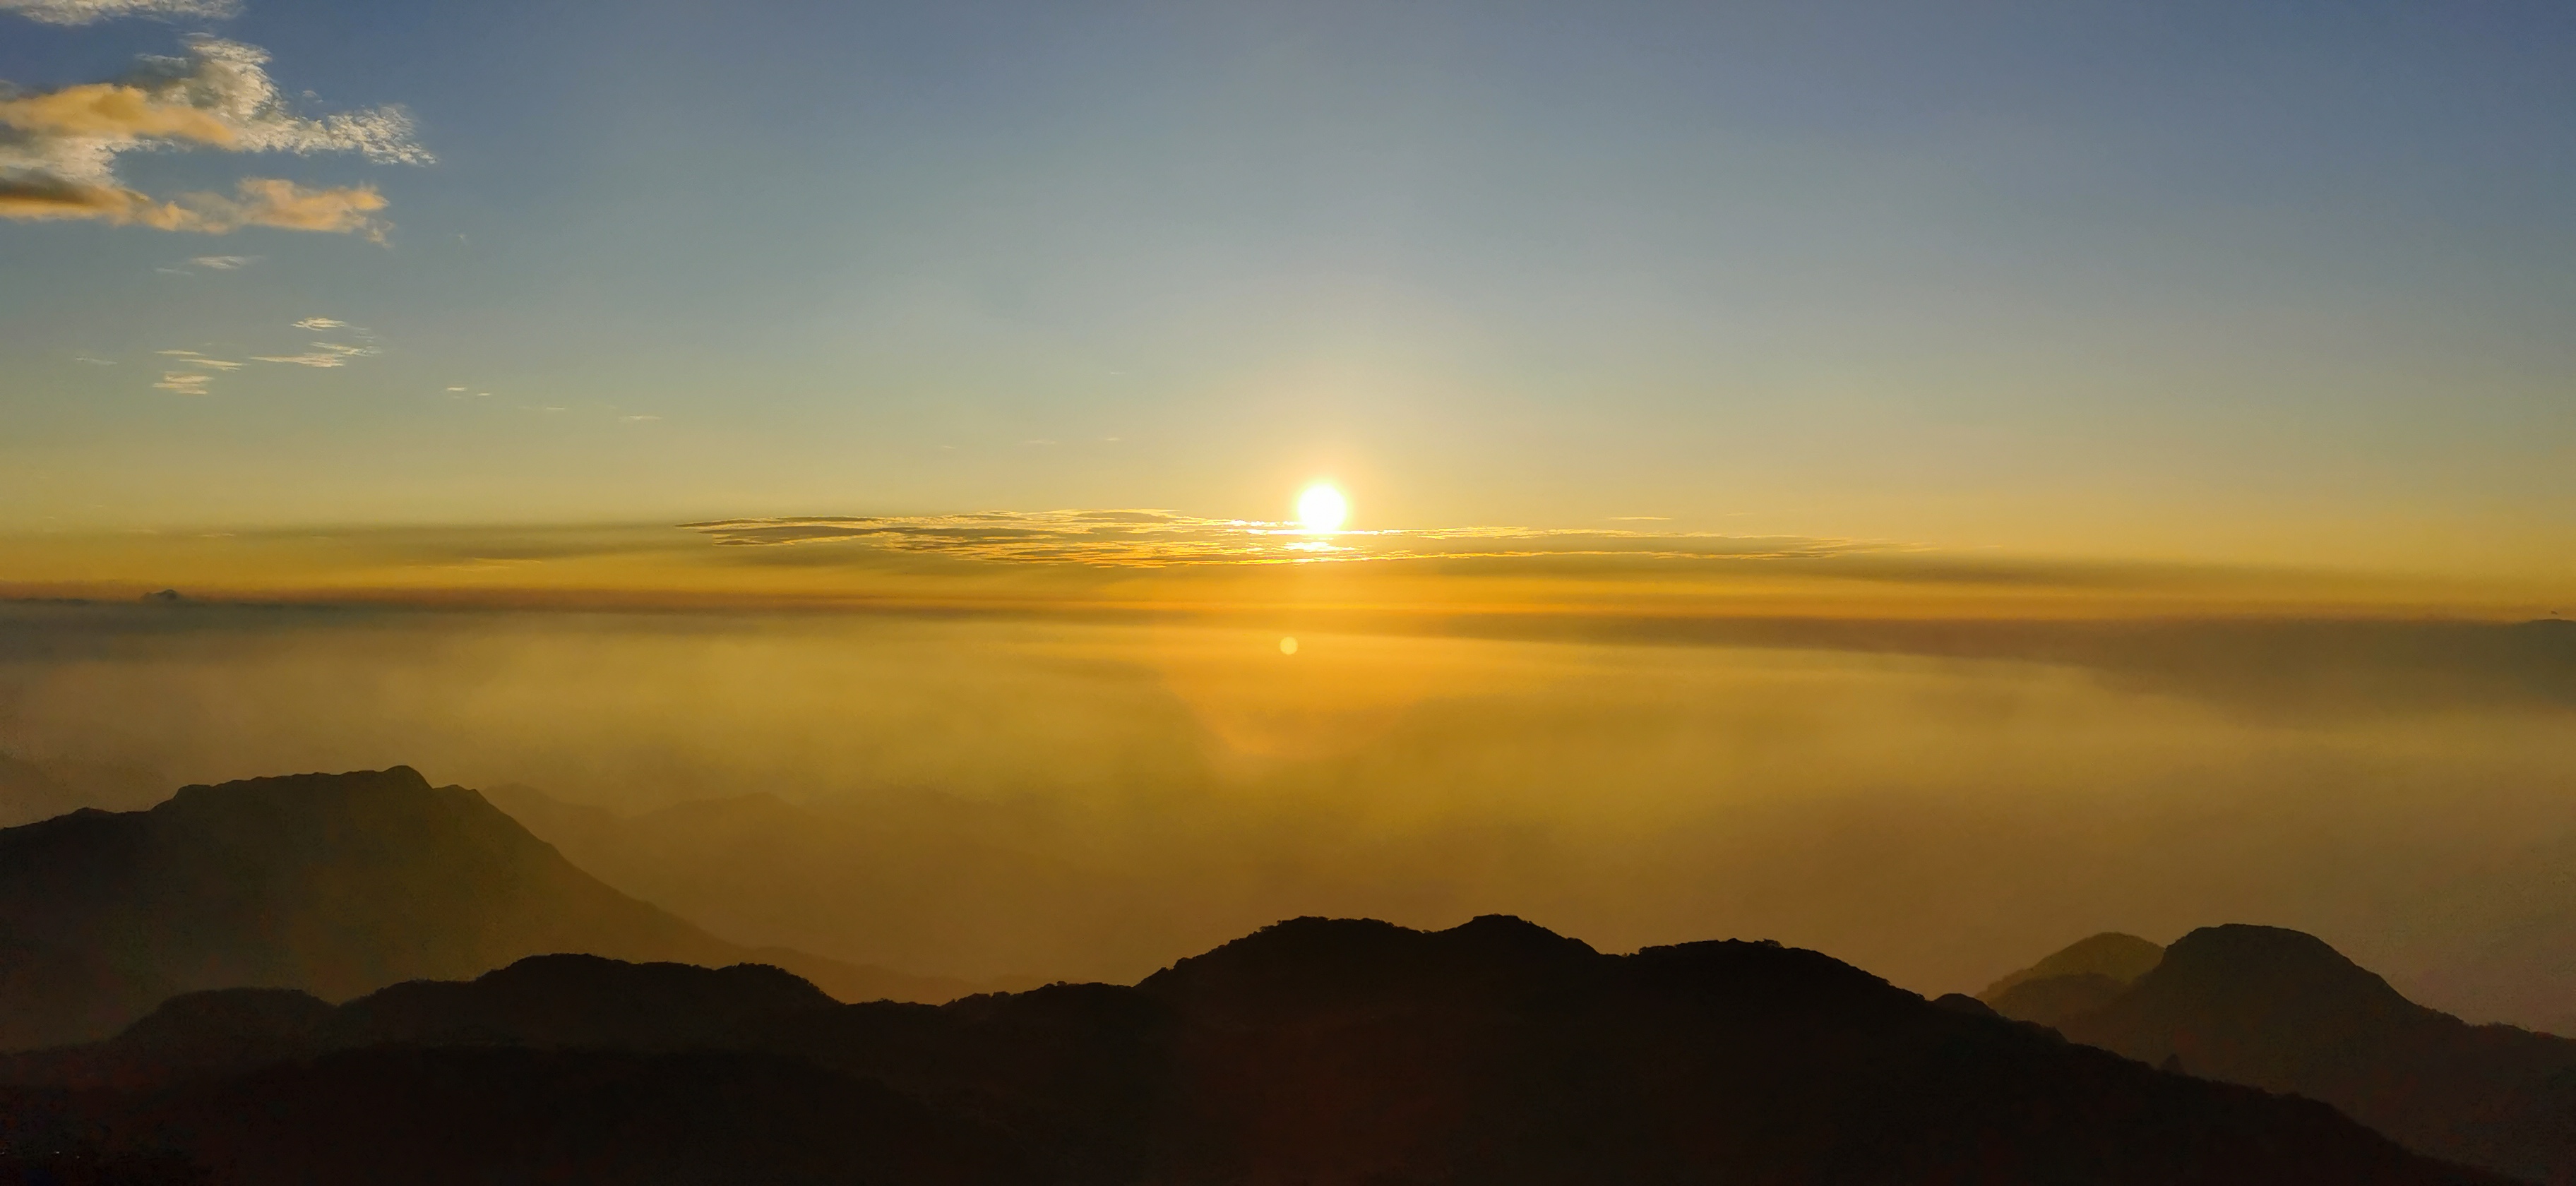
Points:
(1322, 508)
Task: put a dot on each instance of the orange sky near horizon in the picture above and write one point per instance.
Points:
(1162, 563)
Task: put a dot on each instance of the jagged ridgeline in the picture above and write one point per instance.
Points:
(364, 979)
(1318, 1050)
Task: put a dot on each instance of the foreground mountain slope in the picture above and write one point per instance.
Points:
(412, 1116)
(1500, 1052)
(2283, 1011)
(335, 884)
(1315, 1051)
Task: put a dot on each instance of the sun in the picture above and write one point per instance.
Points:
(1322, 508)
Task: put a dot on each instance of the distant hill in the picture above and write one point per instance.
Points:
(544, 1001)
(1316, 1051)
(2082, 977)
(2283, 1011)
(333, 884)
(2112, 955)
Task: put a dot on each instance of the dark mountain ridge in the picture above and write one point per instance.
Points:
(334, 884)
(2283, 1011)
(1314, 1051)
(544, 1001)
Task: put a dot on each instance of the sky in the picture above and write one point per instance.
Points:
(2284, 287)
(1928, 482)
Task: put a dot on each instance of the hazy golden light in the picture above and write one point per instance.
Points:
(1322, 508)
(1287, 646)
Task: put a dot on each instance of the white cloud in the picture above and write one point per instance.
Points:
(82, 12)
(58, 148)
(324, 354)
(224, 263)
(196, 373)
(638, 419)
(321, 323)
(194, 359)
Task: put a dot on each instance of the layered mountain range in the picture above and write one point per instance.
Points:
(365, 978)
(333, 884)
(2283, 1011)
(1318, 1051)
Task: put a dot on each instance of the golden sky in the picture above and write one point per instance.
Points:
(1142, 561)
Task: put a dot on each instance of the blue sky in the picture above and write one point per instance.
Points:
(2281, 282)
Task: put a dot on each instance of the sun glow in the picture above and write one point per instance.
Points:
(1322, 508)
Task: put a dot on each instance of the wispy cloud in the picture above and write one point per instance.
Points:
(83, 12)
(1145, 538)
(210, 263)
(59, 148)
(194, 359)
(96, 362)
(322, 354)
(193, 373)
(318, 324)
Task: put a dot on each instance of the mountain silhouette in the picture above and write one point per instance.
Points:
(333, 884)
(544, 1001)
(1314, 1051)
(2112, 955)
(2283, 1011)
(2080, 978)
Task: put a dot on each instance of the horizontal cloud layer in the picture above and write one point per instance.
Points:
(1157, 538)
(82, 12)
(58, 149)
(321, 354)
(1597, 582)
